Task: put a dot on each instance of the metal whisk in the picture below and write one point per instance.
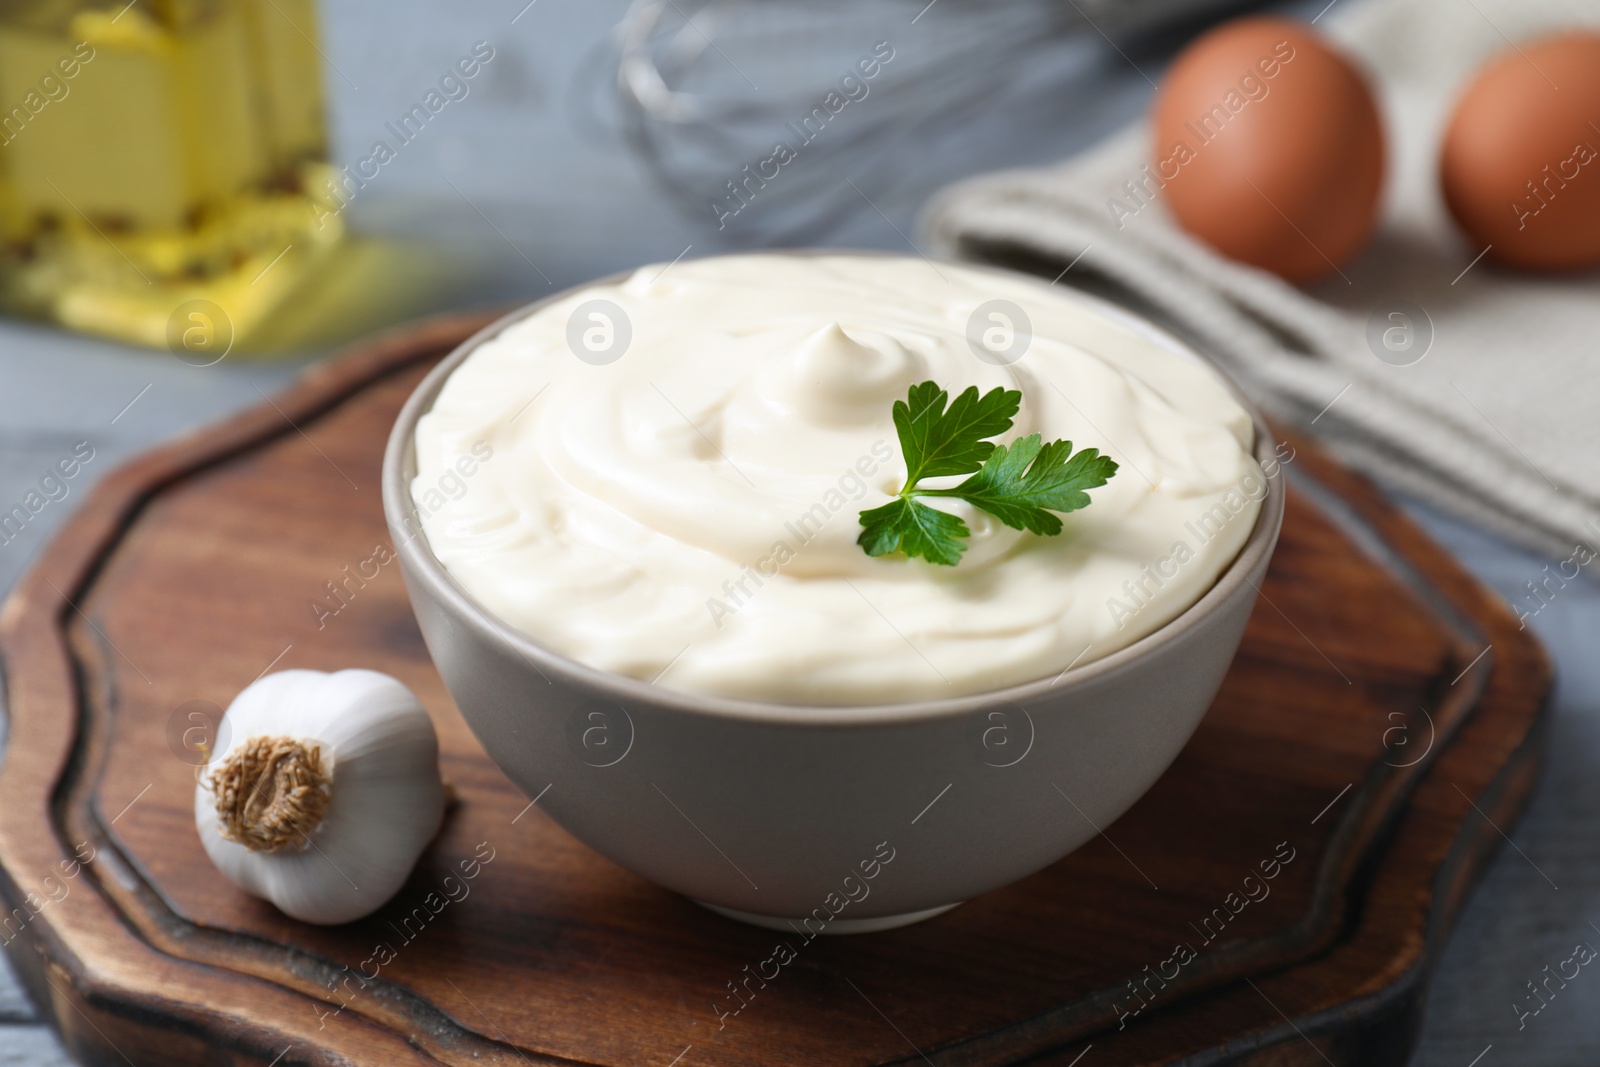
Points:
(710, 88)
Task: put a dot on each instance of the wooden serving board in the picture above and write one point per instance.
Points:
(1380, 726)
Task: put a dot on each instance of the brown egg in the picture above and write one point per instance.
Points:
(1520, 165)
(1270, 147)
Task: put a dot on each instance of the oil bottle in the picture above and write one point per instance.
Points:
(158, 162)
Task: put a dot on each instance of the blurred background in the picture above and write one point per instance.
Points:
(292, 174)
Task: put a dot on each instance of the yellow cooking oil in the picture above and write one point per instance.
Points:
(157, 165)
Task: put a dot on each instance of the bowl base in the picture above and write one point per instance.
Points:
(837, 926)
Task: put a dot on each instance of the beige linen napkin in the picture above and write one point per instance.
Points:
(1499, 420)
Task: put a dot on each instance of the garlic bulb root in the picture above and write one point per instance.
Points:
(272, 793)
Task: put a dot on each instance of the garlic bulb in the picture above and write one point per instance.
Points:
(324, 792)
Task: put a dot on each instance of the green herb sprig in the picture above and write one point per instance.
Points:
(1020, 484)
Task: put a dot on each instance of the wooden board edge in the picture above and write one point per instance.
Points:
(1380, 1028)
(1364, 1031)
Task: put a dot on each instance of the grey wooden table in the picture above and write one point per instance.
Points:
(531, 190)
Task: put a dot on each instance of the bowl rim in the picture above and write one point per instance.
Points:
(424, 567)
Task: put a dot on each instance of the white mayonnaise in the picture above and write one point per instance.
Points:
(680, 504)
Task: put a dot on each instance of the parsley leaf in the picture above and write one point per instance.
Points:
(937, 442)
(1020, 484)
(904, 525)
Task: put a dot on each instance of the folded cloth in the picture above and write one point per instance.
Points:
(1473, 387)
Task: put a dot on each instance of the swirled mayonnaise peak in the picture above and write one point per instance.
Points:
(661, 478)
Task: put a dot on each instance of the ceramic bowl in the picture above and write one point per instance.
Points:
(824, 819)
